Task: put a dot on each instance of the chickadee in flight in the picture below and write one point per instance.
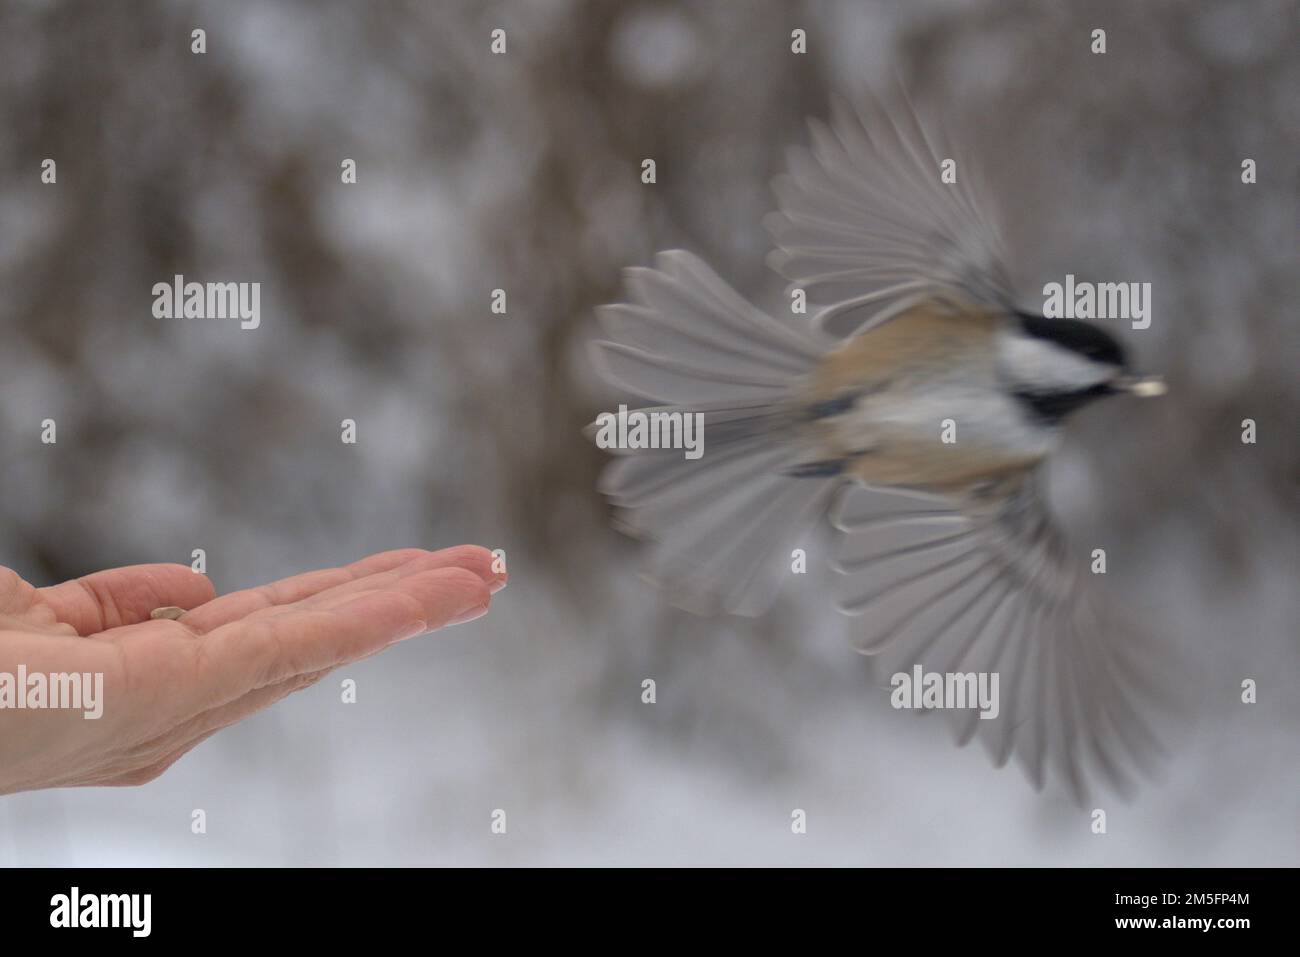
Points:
(916, 409)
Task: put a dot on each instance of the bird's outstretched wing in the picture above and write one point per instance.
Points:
(990, 585)
(867, 222)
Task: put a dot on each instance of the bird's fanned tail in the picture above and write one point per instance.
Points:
(724, 525)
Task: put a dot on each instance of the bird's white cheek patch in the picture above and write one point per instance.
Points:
(1040, 365)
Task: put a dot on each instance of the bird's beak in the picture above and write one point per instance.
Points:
(1141, 386)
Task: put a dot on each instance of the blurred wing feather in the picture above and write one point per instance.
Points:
(987, 585)
(866, 223)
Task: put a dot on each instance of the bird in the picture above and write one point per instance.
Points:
(914, 410)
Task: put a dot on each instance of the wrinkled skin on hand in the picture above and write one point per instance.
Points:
(169, 683)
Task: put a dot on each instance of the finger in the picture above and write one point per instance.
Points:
(288, 591)
(124, 596)
(243, 656)
(337, 595)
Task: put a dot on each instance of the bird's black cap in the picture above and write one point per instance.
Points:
(1081, 337)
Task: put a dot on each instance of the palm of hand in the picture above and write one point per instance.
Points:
(169, 684)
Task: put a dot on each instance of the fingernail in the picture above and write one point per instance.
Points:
(476, 611)
(497, 585)
(411, 630)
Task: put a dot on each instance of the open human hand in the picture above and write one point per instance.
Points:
(170, 683)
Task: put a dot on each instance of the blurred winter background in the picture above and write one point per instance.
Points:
(521, 171)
